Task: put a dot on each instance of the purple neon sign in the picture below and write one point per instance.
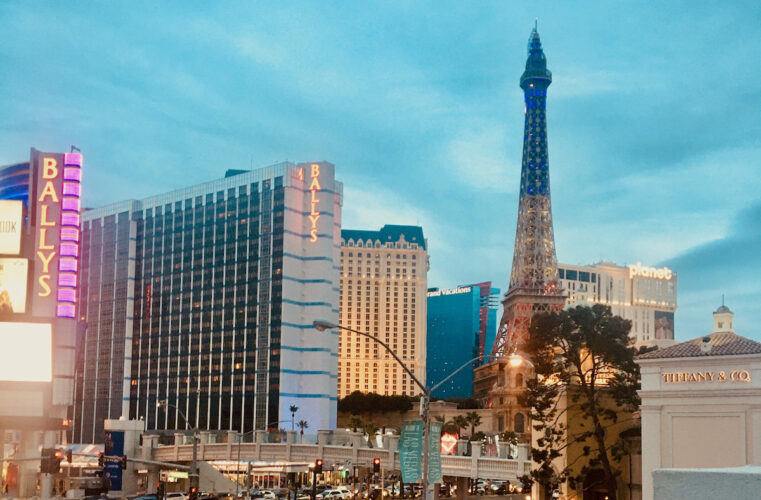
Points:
(71, 205)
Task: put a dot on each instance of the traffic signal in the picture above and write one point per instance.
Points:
(193, 494)
(101, 461)
(376, 465)
(123, 462)
(55, 462)
(318, 466)
(160, 490)
(69, 455)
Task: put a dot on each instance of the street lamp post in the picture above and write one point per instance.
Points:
(425, 397)
(194, 470)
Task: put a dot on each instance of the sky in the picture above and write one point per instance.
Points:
(654, 120)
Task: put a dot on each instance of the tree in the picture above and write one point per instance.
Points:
(293, 409)
(585, 355)
(370, 429)
(474, 420)
(358, 402)
(355, 422)
(302, 425)
(461, 422)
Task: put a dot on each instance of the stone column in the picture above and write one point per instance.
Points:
(290, 437)
(150, 442)
(462, 488)
(475, 454)
(27, 470)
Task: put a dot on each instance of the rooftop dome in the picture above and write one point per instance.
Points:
(722, 309)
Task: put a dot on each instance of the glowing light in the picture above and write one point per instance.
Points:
(72, 159)
(73, 204)
(314, 188)
(26, 355)
(448, 442)
(72, 189)
(662, 273)
(72, 174)
(69, 234)
(514, 360)
(70, 219)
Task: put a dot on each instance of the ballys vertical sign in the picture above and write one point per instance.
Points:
(57, 197)
(314, 188)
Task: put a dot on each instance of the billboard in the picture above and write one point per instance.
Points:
(664, 325)
(13, 276)
(57, 196)
(113, 449)
(11, 217)
(26, 354)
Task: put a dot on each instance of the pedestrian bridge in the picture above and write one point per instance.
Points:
(334, 448)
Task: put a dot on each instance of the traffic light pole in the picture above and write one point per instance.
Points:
(46, 479)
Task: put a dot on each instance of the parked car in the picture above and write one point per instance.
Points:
(176, 495)
(268, 494)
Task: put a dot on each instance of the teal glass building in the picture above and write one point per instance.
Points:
(453, 338)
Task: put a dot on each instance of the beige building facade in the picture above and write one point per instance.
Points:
(701, 403)
(643, 294)
(384, 279)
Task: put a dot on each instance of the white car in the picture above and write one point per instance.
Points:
(268, 494)
(176, 495)
(345, 491)
(331, 495)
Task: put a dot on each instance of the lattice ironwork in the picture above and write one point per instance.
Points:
(534, 276)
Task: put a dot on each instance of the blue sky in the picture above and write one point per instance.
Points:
(653, 118)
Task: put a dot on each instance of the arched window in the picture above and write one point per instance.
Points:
(519, 380)
(519, 423)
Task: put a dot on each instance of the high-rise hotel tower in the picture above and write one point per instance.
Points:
(384, 278)
(204, 297)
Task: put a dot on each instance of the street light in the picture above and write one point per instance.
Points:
(425, 397)
(194, 471)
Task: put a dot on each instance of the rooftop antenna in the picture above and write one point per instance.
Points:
(536, 24)
(722, 299)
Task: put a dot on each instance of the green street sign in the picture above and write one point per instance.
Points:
(434, 453)
(411, 450)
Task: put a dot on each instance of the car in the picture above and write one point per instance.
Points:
(347, 492)
(331, 494)
(149, 496)
(176, 495)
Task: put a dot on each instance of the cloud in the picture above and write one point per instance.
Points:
(727, 266)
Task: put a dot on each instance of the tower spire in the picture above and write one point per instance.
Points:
(534, 276)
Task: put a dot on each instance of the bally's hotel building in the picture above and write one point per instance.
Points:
(204, 297)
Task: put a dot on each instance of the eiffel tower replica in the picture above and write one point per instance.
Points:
(534, 276)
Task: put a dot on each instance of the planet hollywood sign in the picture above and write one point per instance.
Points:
(638, 270)
(57, 224)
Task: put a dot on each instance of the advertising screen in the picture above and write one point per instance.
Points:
(664, 325)
(26, 354)
(10, 227)
(13, 274)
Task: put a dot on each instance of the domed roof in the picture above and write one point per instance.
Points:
(722, 309)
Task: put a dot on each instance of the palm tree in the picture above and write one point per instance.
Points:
(302, 425)
(293, 409)
(370, 429)
(474, 419)
(355, 422)
(460, 422)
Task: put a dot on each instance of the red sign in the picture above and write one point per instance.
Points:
(448, 443)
